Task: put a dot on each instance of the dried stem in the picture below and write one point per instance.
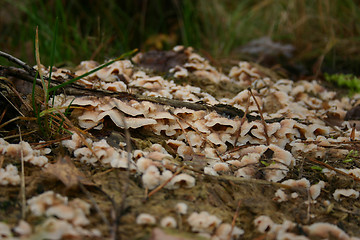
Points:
(23, 197)
(334, 169)
(17, 61)
(234, 219)
(262, 117)
(158, 188)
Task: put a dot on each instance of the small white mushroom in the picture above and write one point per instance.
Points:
(181, 208)
(168, 222)
(351, 193)
(23, 229)
(203, 222)
(145, 219)
(182, 180)
(151, 177)
(326, 231)
(225, 230)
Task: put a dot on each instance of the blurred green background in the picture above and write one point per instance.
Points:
(324, 32)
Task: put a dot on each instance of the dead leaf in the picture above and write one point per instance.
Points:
(65, 170)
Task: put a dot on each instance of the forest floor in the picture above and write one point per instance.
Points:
(316, 148)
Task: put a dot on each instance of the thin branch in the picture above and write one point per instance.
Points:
(23, 197)
(334, 169)
(262, 118)
(17, 61)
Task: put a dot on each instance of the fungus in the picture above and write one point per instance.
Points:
(263, 223)
(9, 175)
(182, 180)
(225, 230)
(60, 211)
(168, 222)
(326, 231)
(151, 177)
(350, 193)
(145, 219)
(315, 189)
(23, 229)
(221, 167)
(203, 222)
(39, 204)
(280, 196)
(181, 208)
(144, 163)
(5, 231)
(303, 183)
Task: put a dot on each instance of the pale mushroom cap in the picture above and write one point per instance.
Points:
(151, 177)
(345, 192)
(224, 230)
(61, 211)
(203, 222)
(23, 228)
(221, 167)
(183, 179)
(181, 208)
(145, 219)
(5, 230)
(263, 223)
(280, 196)
(168, 222)
(303, 182)
(325, 230)
(315, 189)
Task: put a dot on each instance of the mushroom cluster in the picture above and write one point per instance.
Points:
(9, 175)
(288, 229)
(64, 218)
(284, 121)
(24, 149)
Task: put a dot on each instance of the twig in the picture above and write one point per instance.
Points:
(2, 160)
(12, 105)
(23, 198)
(18, 135)
(186, 136)
(262, 118)
(17, 61)
(242, 120)
(334, 169)
(234, 219)
(158, 188)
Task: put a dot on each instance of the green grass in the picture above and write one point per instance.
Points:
(348, 81)
(322, 30)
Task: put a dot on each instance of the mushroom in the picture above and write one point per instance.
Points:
(225, 230)
(203, 222)
(168, 222)
(181, 208)
(351, 193)
(182, 180)
(151, 177)
(145, 219)
(9, 175)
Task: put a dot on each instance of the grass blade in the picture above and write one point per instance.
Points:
(52, 57)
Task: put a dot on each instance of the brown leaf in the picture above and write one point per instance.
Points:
(65, 170)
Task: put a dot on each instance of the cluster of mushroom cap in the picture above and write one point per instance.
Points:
(24, 150)
(202, 223)
(58, 218)
(288, 229)
(302, 109)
